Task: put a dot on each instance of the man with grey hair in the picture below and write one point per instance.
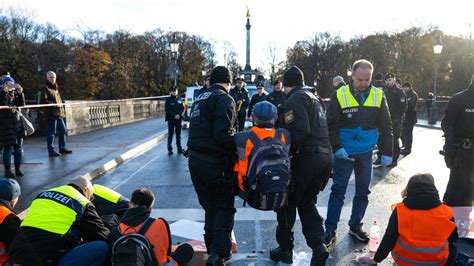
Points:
(356, 115)
(54, 114)
(62, 227)
(338, 82)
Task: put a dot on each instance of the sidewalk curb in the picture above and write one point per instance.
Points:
(131, 152)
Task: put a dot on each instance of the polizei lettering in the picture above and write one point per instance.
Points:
(471, 110)
(56, 196)
(350, 110)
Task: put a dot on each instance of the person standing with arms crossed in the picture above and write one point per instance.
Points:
(174, 110)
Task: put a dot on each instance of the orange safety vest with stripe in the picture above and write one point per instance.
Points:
(158, 235)
(423, 235)
(245, 146)
(4, 212)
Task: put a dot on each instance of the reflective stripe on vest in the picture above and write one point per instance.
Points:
(4, 212)
(423, 235)
(347, 100)
(56, 210)
(106, 193)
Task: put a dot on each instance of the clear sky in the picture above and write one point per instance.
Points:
(279, 22)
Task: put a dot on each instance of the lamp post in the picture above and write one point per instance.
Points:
(174, 46)
(437, 48)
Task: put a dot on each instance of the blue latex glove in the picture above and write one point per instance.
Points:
(386, 160)
(341, 154)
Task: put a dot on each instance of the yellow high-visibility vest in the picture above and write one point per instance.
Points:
(56, 210)
(106, 193)
(347, 100)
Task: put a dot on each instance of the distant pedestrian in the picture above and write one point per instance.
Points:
(241, 99)
(410, 119)
(338, 82)
(357, 114)
(458, 128)
(212, 154)
(258, 97)
(429, 104)
(11, 140)
(55, 115)
(174, 109)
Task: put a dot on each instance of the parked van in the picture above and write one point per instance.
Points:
(191, 94)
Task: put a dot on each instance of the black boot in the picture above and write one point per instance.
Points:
(18, 171)
(216, 260)
(320, 255)
(9, 173)
(278, 254)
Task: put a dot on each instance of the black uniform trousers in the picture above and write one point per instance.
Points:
(217, 199)
(309, 173)
(397, 131)
(174, 126)
(241, 116)
(459, 191)
(407, 134)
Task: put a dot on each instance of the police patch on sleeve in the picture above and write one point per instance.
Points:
(289, 117)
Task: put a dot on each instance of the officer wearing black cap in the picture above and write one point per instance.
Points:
(211, 150)
(241, 99)
(311, 163)
(9, 222)
(258, 97)
(458, 128)
(278, 98)
(174, 109)
(397, 105)
(205, 85)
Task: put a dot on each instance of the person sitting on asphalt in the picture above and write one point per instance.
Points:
(62, 227)
(109, 204)
(158, 234)
(421, 230)
(9, 222)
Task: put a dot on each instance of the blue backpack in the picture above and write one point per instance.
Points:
(268, 173)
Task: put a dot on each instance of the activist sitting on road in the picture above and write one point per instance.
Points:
(62, 227)
(421, 230)
(264, 116)
(109, 204)
(9, 222)
(137, 220)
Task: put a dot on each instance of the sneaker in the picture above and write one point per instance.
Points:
(170, 152)
(405, 152)
(53, 153)
(278, 254)
(320, 255)
(216, 260)
(392, 165)
(378, 162)
(330, 237)
(65, 151)
(9, 174)
(18, 172)
(358, 233)
(180, 151)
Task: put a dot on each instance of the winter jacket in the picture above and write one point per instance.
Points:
(256, 99)
(50, 95)
(9, 120)
(173, 106)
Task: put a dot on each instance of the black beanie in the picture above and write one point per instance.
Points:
(220, 74)
(293, 77)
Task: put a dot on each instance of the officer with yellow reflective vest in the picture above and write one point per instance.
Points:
(356, 115)
(62, 227)
(108, 201)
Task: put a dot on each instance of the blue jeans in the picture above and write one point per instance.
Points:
(17, 153)
(52, 124)
(362, 167)
(91, 254)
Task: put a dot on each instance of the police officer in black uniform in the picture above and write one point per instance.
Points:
(397, 105)
(278, 98)
(258, 97)
(311, 164)
(241, 99)
(174, 110)
(458, 128)
(211, 150)
(410, 119)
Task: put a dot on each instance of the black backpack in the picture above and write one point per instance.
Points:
(268, 173)
(134, 249)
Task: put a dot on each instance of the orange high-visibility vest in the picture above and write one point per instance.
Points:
(159, 237)
(423, 235)
(4, 212)
(244, 148)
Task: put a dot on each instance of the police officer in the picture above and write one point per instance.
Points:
(59, 220)
(410, 118)
(311, 163)
(211, 151)
(174, 109)
(397, 105)
(258, 97)
(109, 204)
(241, 99)
(278, 98)
(458, 128)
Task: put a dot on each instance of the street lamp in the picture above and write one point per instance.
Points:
(437, 48)
(174, 46)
